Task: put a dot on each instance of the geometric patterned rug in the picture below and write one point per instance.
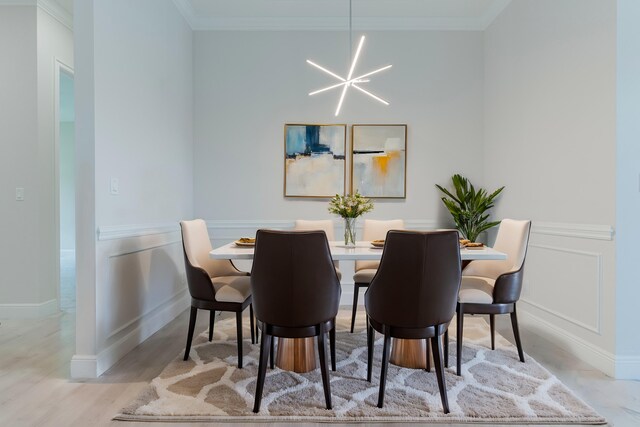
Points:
(495, 387)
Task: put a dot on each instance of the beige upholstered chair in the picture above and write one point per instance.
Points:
(493, 287)
(365, 270)
(213, 284)
(325, 225)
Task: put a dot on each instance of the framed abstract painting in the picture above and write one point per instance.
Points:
(379, 160)
(314, 160)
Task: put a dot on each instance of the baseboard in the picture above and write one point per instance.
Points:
(29, 311)
(83, 366)
(628, 367)
(595, 356)
(147, 326)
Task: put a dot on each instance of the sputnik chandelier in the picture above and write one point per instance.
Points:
(350, 81)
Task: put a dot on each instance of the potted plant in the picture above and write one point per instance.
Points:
(468, 207)
(350, 207)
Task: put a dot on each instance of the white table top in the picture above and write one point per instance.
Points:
(362, 251)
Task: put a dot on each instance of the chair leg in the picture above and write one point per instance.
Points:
(460, 321)
(355, 305)
(370, 338)
(192, 326)
(437, 361)
(212, 316)
(332, 347)
(516, 333)
(492, 325)
(385, 364)
(324, 369)
(239, 338)
(253, 335)
(445, 346)
(428, 362)
(262, 369)
(272, 353)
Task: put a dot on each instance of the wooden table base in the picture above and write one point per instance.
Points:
(296, 354)
(409, 353)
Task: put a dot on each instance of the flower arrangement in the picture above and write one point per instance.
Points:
(350, 207)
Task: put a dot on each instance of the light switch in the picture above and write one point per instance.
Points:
(114, 186)
(19, 194)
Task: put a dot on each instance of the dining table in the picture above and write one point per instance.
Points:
(298, 354)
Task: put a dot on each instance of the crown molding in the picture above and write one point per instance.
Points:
(338, 23)
(49, 6)
(59, 13)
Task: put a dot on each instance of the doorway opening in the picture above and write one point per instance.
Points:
(66, 189)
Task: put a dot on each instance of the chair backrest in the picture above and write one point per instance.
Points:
(376, 230)
(325, 225)
(512, 239)
(293, 281)
(196, 246)
(418, 279)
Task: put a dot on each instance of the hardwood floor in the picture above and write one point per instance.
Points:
(35, 389)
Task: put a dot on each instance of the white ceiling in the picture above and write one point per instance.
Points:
(325, 14)
(334, 14)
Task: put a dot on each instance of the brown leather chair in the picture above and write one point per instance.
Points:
(493, 287)
(413, 295)
(365, 270)
(296, 294)
(213, 284)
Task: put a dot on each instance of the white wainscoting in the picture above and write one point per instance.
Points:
(550, 273)
(140, 287)
(565, 289)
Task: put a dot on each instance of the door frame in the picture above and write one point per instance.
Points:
(60, 67)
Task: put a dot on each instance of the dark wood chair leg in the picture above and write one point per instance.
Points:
(212, 317)
(385, 364)
(262, 369)
(516, 333)
(192, 326)
(253, 335)
(437, 361)
(239, 334)
(428, 361)
(355, 305)
(272, 353)
(460, 321)
(445, 346)
(332, 347)
(324, 369)
(370, 338)
(492, 325)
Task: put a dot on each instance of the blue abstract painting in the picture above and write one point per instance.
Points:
(314, 160)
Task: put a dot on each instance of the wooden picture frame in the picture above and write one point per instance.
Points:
(379, 160)
(314, 160)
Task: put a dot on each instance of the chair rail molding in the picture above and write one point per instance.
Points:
(581, 231)
(111, 232)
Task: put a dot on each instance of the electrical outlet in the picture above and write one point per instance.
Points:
(114, 186)
(19, 194)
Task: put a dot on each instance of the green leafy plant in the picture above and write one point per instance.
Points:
(468, 207)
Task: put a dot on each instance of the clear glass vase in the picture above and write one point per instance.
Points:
(350, 231)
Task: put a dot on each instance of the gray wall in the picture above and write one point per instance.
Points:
(550, 137)
(249, 84)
